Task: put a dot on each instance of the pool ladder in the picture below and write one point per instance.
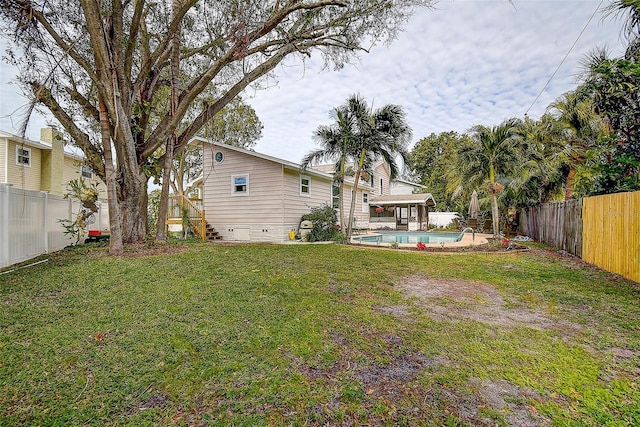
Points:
(473, 233)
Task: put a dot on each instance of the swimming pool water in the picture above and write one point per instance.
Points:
(411, 237)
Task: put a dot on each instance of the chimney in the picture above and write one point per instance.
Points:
(52, 161)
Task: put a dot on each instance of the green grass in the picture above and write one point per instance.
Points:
(299, 335)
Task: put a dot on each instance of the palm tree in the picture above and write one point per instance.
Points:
(361, 137)
(335, 141)
(539, 179)
(494, 155)
(631, 29)
(580, 126)
(382, 134)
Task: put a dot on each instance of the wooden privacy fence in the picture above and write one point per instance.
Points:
(558, 224)
(602, 230)
(611, 237)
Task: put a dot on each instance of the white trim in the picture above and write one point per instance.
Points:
(25, 141)
(398, 199)
(302, 186)
(28, 155)
(404, 181)
(235, 185)
(287, 164)
(335, 198)
(365, 203)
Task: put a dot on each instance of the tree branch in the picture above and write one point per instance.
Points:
(91, 152)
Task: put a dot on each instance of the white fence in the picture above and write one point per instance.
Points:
(442, 219)
(30, 226)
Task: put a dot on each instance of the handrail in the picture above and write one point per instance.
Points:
(473, 233)
(194, 213)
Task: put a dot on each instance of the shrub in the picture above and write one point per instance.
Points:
(325, 222)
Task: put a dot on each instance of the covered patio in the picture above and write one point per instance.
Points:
(408, 212)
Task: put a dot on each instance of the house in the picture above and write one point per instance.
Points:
(249, 196)
(42, 165)
(401, 186)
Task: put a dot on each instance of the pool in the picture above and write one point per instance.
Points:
(410, 237)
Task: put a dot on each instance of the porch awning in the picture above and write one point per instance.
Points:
(404, 199)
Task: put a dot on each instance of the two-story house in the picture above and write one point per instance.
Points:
(42, 165)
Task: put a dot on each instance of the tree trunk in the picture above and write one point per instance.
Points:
(343, 229)
(341, 206)
(495, 214)
(354, 195)
(115, 225)
(133, 206)
(161, 235)
(568, 192)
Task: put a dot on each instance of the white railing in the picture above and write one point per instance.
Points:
(30, 226)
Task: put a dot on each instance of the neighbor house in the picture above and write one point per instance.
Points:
(42, 165)
(249, 196)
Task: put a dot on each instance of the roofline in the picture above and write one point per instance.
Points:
(400, 200)
(409, 182)
(29, 142)
(287, 164)
(39, 144)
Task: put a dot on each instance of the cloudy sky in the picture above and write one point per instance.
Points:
(466, 62)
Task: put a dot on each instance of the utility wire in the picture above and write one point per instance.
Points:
(565, 57)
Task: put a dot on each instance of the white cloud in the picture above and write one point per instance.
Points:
(462, 64)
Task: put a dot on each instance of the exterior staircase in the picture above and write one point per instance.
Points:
(211, 233)
(182, 209)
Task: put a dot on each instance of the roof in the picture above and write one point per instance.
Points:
(38, 144)
(287, 164)
(27, 142)
(413, 184)
(401, 199)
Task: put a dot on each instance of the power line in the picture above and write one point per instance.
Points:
(565, 57)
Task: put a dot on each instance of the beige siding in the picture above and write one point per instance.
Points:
(361, 218)
(324, 168)
(296, 204)
(381, 171)
(275, 203)
(264, 202)
(3, 160)
(72, 170)
(24, 177)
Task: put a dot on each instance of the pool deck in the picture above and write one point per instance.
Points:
(466, 241)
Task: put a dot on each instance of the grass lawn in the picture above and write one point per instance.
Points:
(209, 334)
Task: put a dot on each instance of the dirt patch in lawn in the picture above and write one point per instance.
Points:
(491, 403)
(460, 300)
(149, 248)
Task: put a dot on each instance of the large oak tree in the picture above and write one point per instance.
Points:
(101, 67)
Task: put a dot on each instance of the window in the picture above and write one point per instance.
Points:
(23, 156)
(365, 202)
(381, 188)
(305, 186)
(86, 172)
(335, 196)
(240, 185)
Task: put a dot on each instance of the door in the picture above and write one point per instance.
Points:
(402, 218)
